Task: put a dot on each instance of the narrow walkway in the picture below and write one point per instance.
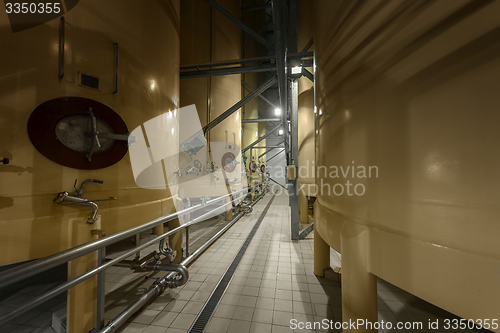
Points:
(273, 284)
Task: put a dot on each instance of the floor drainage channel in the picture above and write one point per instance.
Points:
(201, 322)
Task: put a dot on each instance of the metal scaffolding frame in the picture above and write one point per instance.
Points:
(267, 151)
(277, 183)
(260, 120)
(263, 97)
(260, 139)
(242, 25)
(241, 66)
(308, 74)
(239, 104)
(270, 158)
(228, 71)
(285, 55)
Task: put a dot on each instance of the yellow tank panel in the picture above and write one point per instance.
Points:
(148, 85)
(417, 101)
(306, 138)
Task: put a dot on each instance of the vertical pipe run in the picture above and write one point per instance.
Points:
(187, 241)
(294, 161)
(175, 240)
(101, 293)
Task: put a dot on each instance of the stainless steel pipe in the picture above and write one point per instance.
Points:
(64, 198)
(157, 267)
(152, 292)
(27, 270)
(67, 285)
(155, 290)
(134, 307)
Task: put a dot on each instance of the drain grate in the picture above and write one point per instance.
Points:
(201, 322)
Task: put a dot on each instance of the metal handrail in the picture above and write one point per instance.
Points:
(27, 270)
(148, 295)
(69, 284)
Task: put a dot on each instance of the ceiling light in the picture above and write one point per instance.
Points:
(296, 70)
(280, 132)
(277, 111)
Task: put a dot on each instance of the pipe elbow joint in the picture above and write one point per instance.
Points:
(179, 268)
(95, 209)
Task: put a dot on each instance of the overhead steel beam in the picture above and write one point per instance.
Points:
(242, 25)
(260, 139)
(263, 97)
(270, 158)
(264, 59)
(239, 104)
(261, 120)
(308, 74)
(265, 147)
(227, 71)
(268, 151)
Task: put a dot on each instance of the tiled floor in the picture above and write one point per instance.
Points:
(39, 319)
(273, 284)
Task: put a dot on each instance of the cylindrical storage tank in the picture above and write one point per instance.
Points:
(209, 36)
(120, 58)
(306, 151)
(407, 99)
(306, 126)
